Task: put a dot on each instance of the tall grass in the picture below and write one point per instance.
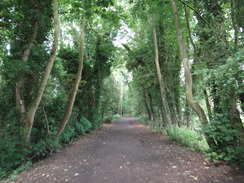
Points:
(187, 137)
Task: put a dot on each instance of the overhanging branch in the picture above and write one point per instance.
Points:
(196, 13)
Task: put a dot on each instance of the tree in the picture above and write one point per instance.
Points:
(32, 110)
(165, 113)
(188, 78)
(74, 90)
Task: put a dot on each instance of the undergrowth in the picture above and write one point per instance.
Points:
(227, 149)
(180, 135)
(187, 137)
(109, 119)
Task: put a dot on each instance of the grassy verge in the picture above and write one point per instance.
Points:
(181, 135)
(187, 137)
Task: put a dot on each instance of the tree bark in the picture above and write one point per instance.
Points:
(121, 96)
(196, 60)
(46, 120)
(236, 120)
(20, 101)
(148, 104)
(165, 113)
(188, 78)
(234, 23)
(187, 115)
(32, 110)
(74, 90)
(0, 74)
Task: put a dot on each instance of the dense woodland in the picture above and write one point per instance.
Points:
(65, 69)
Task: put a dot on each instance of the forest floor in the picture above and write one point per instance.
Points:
(128, 152)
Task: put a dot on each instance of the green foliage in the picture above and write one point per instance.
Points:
(234, 155)
(108, 119)
(187, 137)
(67, 135)
(221, 129)
(45, 147)
(12, 153)
(226, 137)
(83, 126)
(116, 116)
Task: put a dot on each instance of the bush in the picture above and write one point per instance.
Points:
(45, 147)
(12, 155)
(83, 126)
(108, 119)
(220, 128)
(116, 116)
(187, 137)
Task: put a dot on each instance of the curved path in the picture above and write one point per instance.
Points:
(127, 152)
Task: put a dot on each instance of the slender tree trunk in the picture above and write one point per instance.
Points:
(236, 120)
(187, 115)
(188, 78)
(174, 118)
(207, 104)
(121, 96)
(165, 113)
(171, 103)
(34, 106)
(236, 28)
(20, 101)
(148, 104)
(234, 24)
(46, 120)
(104, 104)
(196, 60)
(0, 74)
(74, 90)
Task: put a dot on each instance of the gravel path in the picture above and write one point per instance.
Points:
(127, 152)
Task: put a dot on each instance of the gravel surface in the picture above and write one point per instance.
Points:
(128, 152)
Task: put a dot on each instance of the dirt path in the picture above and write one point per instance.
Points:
(127, 152)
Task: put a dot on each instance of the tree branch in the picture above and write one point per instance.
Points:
(196, 13)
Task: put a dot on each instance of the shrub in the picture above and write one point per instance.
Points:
(116, 116)
(12, 155)
(83, 126)
(45, 147)
(220, 128)
(108, 119)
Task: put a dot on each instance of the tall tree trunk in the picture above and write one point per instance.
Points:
(188, 78)
(207, 104)
(74, 90)
(187, 115)
(236, 120)
(196, 60)
(103, 106)
(20, 101)
(46, 120)
(121, 96)
(148, 104)
(165, 113)
(234, 23)
(0, 74)
(34, 106)
(235, 11)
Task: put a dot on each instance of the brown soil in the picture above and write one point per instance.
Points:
(128, 152)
